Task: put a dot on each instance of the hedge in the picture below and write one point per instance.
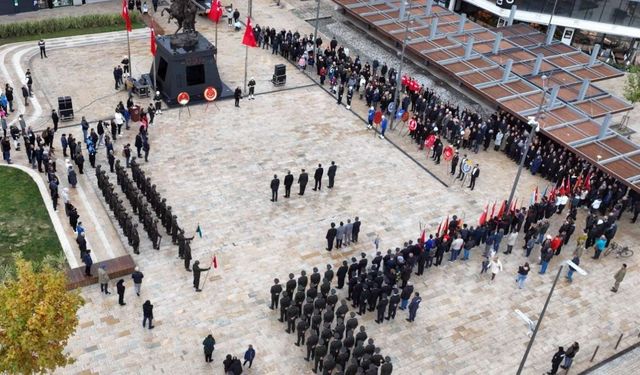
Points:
(53, 25)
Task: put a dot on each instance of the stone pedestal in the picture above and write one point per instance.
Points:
(186, 63)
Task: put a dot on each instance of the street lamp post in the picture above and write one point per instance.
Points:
(534, 123)
(315, 32)
(399, 74)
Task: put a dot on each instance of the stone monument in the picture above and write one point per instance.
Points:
(185, 61)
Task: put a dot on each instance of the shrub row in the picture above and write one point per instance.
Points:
(53, 25)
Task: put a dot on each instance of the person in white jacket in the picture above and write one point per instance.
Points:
(496, 266)
(511, 242)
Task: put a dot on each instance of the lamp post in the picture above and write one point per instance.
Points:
(315, 31)
(399, 74)
(534, 123)
(544, 309)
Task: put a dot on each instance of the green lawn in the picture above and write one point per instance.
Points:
(135, 24)
(24, 223)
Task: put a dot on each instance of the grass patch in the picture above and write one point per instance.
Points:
(69, 26)
(24, 222)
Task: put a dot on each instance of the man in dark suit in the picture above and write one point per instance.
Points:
(288, 181)
(275, 184)
(355, 229)
(331, 235)
(318, 177)
(302, 181)
(454, 163)
(332, 174)
(474, 174)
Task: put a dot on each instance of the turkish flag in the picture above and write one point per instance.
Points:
(249, 39)
(493, 209)
(153, 42)
(214, 261)
(587, 181)
(125, 15)
(483, 216)
(423, 237)
(503, 206)
(215, 13)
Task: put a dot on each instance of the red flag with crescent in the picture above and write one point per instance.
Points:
(483, 216)
(215, 13)
(493, 210)
(413, 124)
(153, 42)
(448, 153)
(249, 39)
(125, 15)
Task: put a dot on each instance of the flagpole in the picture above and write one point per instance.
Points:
(207, 275)
(216, 41)
(155, 73)
(246, 54)
(129, 51)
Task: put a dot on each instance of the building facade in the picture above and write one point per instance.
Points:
(614, 24)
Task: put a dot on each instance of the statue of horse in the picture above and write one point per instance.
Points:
(184, 13)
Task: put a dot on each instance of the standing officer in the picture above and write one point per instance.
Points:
(292, 315)
(474, 174)
(342, 272)
(196, 275)
(413, 307)
(332, 174)
(276, 289)
(275, 184)
(393, 304)
(288, 181)
(317, 176)
(302, 329)
(382, 307)
(43, 50)
(331, 235)
(302, 181)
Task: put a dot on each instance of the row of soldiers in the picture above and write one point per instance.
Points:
(162, 210)
(312, 312)
(158, 204)
(117, 207)
(140, 207)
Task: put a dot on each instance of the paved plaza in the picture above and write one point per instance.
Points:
(214, 163)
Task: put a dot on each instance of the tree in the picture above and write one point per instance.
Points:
(37, 316)
(632, 87)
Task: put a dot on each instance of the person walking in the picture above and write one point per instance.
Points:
(556, 361)
(523, 271)
(120, 289)
(147, 313)
(209, 345)
(103, 279)
(413, 306)
(496, 267)
(137, 280)
(618, 277)
(249, 356)
(275, 184)
(576, 261)
(569, 354)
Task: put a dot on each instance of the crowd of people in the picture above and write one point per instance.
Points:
(334, 340)
(462, 128)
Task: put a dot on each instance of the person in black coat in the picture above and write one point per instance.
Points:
(275, 184)
(209, 345)
(55, 119)
(147, 311)
(331, 235)
(120, 289)
(356, 229)
(302, 181)
(474, 174)
(342, 272)
(196, 275)
(317, 176)
(237, 95)
(454, 163)
(276, 290)
(557, 359)
(332, 174)
(288, 181)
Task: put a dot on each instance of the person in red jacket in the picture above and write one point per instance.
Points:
(556, 243)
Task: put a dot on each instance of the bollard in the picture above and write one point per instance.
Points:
(619, 339)
(594, 353)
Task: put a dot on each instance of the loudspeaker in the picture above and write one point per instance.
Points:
(64, 102)
(65, 108)
(280, 70)
(279, 80)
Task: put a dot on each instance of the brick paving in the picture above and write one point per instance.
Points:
(214, 167)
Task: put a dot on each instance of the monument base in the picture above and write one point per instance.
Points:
(186, 63)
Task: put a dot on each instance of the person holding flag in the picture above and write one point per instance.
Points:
(214, 264)
(196, 275)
